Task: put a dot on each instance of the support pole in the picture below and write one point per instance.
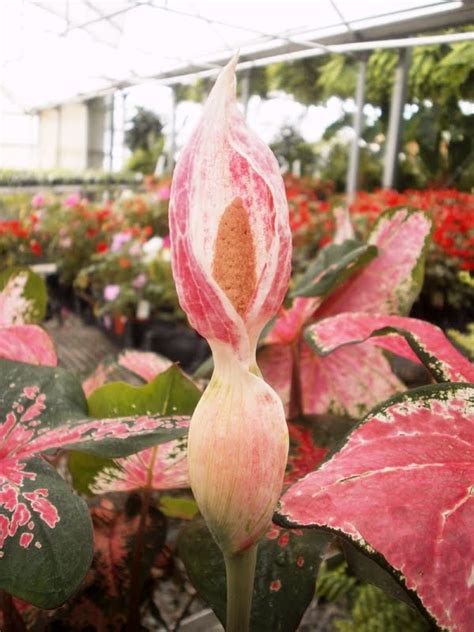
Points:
(395, 124)
(172, 134)
(353, 167)
(245, 90)
(112, 129)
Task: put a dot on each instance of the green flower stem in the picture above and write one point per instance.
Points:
(240, 572)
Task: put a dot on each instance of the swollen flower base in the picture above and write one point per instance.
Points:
(231, 248)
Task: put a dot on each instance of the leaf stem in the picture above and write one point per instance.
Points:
(12, 619)
(240, 572)
(136, 582)
(296, 396)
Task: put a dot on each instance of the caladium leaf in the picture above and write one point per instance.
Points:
(304, 454)
(43, 409)
(104, 599)
(287, 327)
(119, 398)
(276, 363)
(408, 337)
(159, 467)
(23, 297)
(145, 364)
(391, 281)
(27, 343)
(349, 381)
(96, 379)
(401, 489)
(287, 565)
(45, 534)
(333, 265)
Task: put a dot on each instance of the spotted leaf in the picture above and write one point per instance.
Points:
(401, 489)
(42, 409)
(45, 534)
(287, 565)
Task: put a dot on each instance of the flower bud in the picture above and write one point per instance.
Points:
(231, 241)
(237, 453)
(231, 256)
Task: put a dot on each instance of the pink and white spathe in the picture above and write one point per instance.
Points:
(231, 257)
(231, 241)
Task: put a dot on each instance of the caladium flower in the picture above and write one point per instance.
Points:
(349, 381)
(231, 251)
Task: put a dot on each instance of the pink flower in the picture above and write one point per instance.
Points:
(119, 240)
(163, 193)
(72, 200)
(139, 281)
(111, 292)
(231, 251)
(38, 200)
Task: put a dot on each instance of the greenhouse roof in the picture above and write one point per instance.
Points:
(56, 51)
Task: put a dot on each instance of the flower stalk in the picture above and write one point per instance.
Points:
(240, 573)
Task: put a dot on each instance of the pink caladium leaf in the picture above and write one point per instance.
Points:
(43, 409)
(96, 379)
(162, 467)
(145, 364)
(408, 337)
(389, 283)
(348, 382)
(27, 343)
(401, 489)
(276, 362)
(351, 381)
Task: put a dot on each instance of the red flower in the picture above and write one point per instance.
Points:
(36, 248)
(101, 247)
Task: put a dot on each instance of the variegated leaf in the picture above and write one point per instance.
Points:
(408, 337)
(401, 489)
(23, 297)
(334, 265)
(27, 343)
(287, 565)
(42, 409)
(349, 381)
(145, 364)
(391, 281)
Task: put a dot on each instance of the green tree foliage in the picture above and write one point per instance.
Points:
(290, 147)
(144, 137)
(442, 73)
